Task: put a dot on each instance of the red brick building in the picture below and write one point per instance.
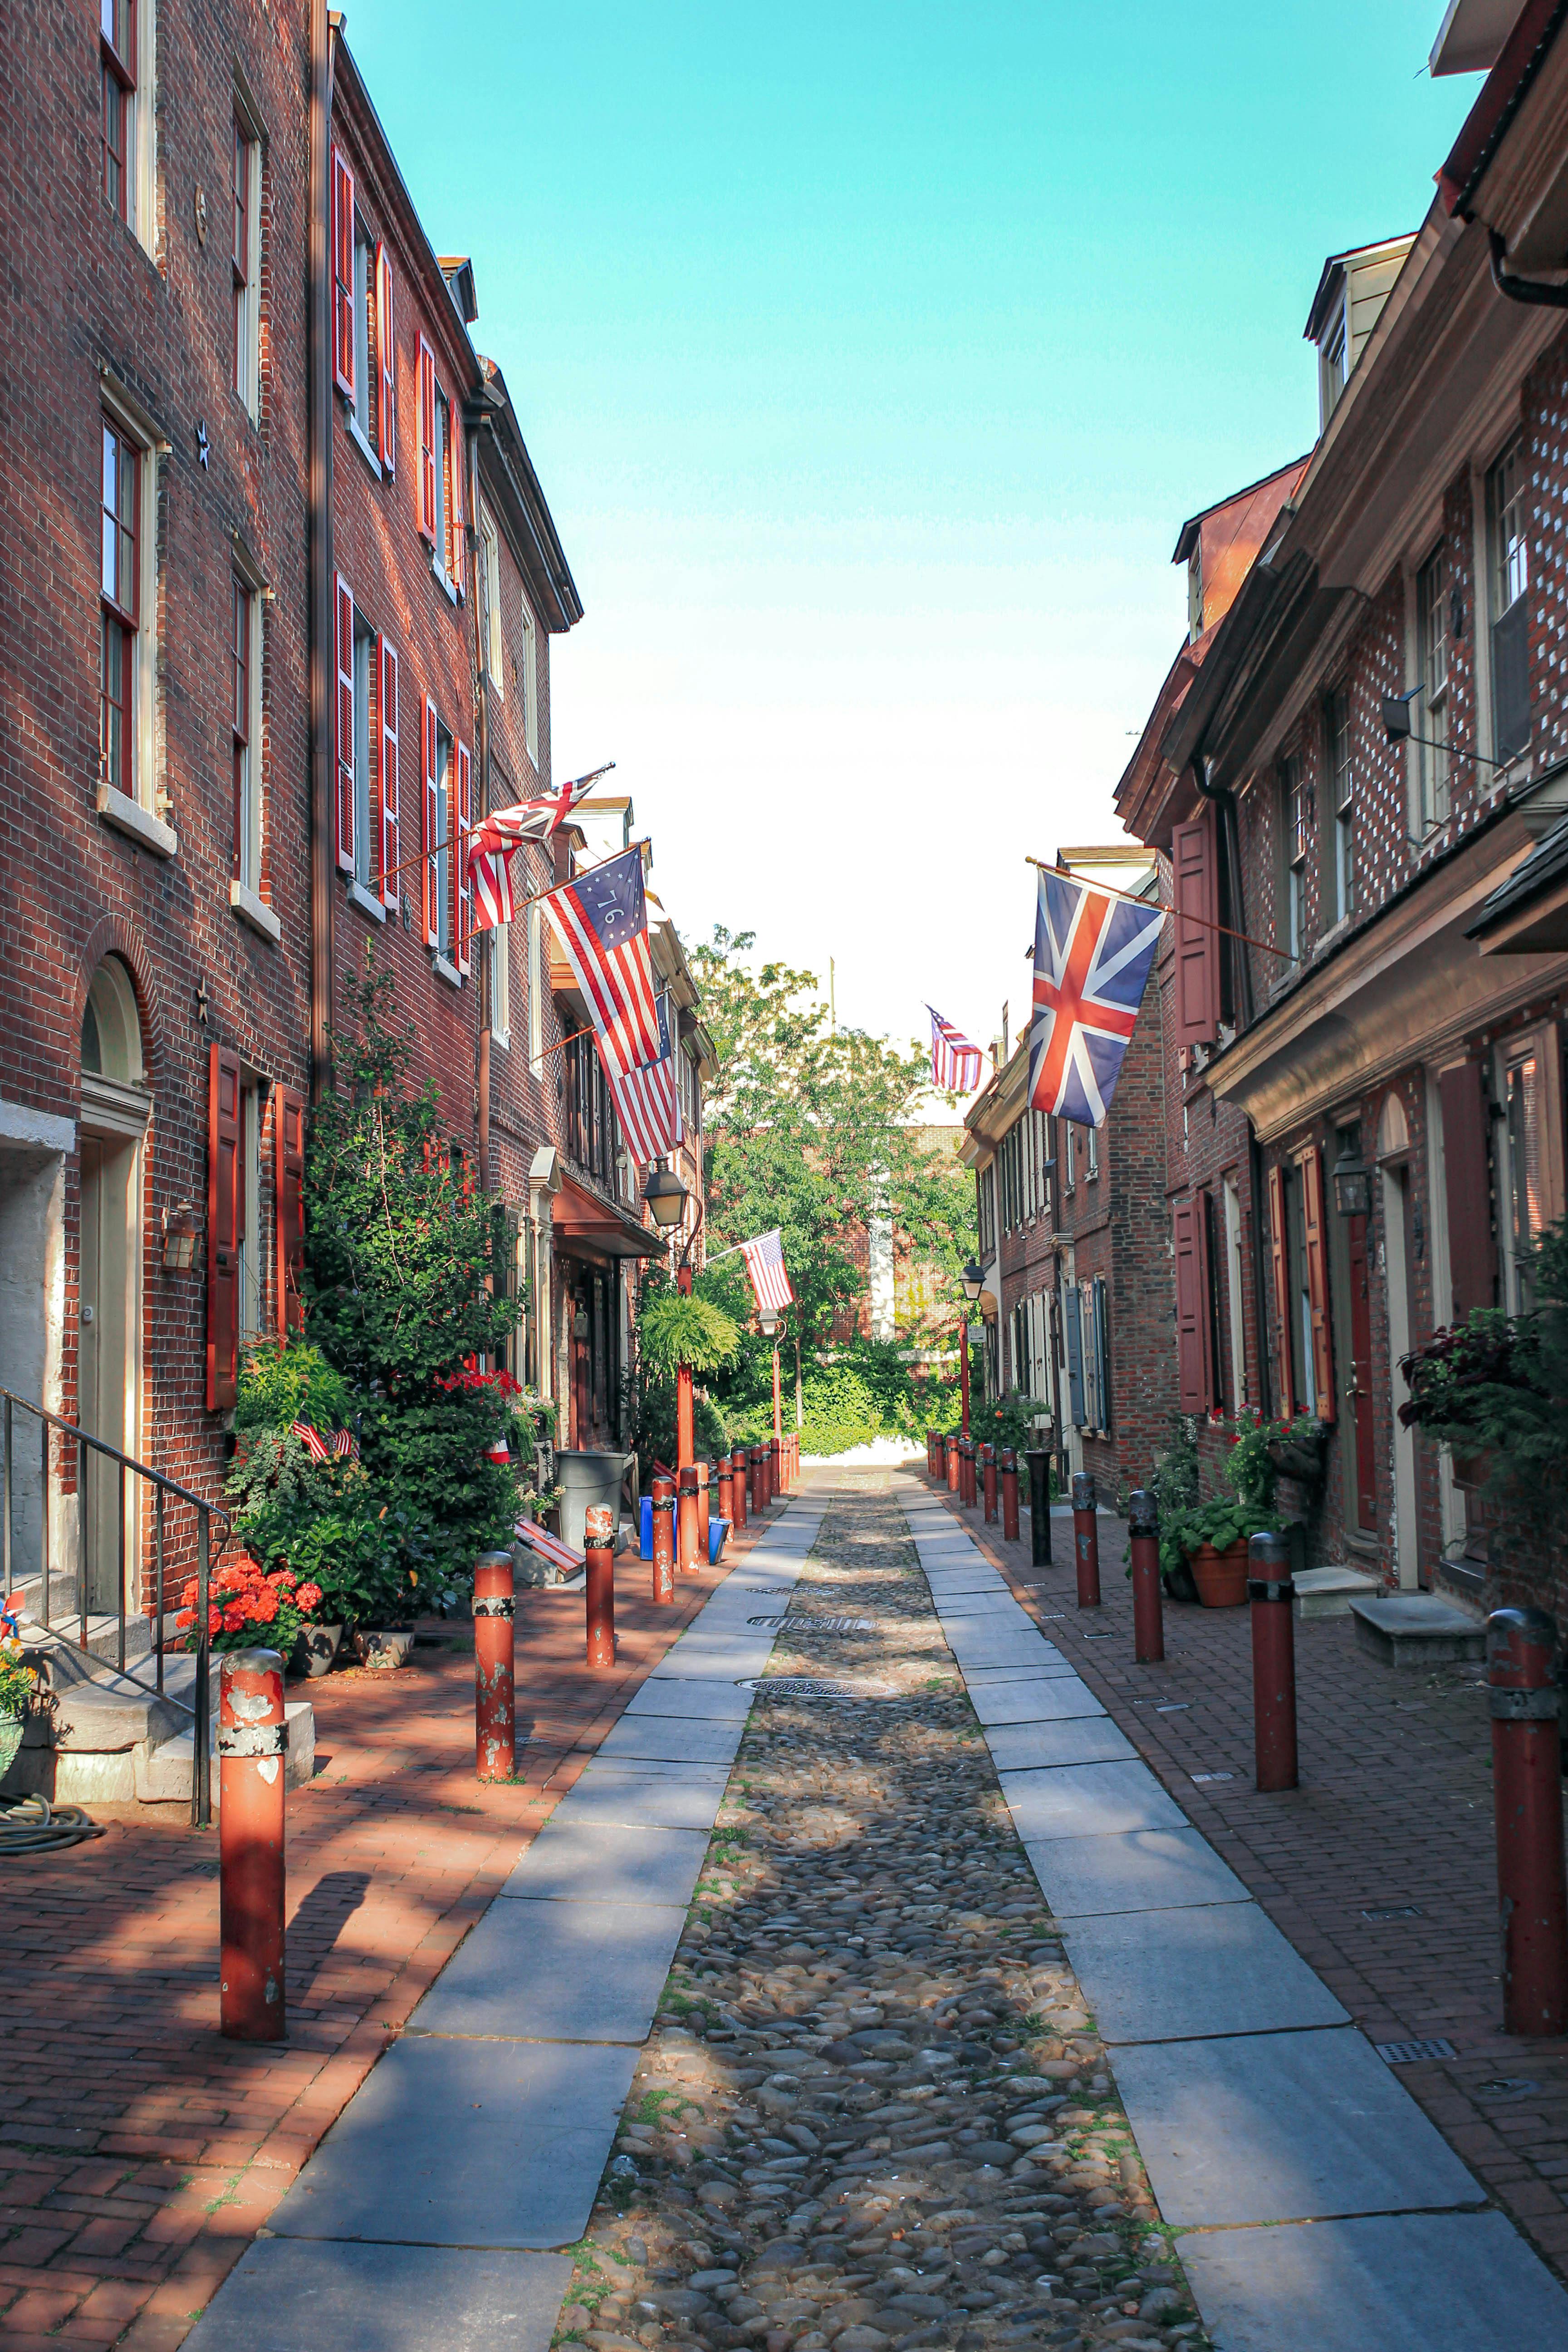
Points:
(1073, 1245)
(1361, 768)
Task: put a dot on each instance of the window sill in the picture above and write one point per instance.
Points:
(129, 816)
(356, 435)
(448, 971)
(443, 576)
(358, 895)
(502, 1037)
(255, 911)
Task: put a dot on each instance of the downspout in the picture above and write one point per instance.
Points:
(319, 445)
(482, 702)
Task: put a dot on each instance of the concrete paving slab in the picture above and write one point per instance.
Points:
(661, 1768)
(570, 1860)
(1387, 2282)
(687, 1662)
(1142, 1870)
(291, 2294)
(466, 2144)
(557, 1971)
(952, 1584)
(1283, 2127)
(709, 1702)
(1072, 1801)
(1043, 1664)
(1177, 1975)
(1080, 1739)
(1037, 1698)
(667, 1738)
(635, 1799)
(987, 1644)
(969, 1606)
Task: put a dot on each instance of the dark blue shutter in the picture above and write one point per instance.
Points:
(1074, 1320)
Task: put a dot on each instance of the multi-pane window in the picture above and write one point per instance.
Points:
(364, 844)
(1525, 1205)
(1068, 1144)
(495, 643)
(1092, 1151)
(245, 657)
(1509, 586)
(120, 586)
(1340, 776)
(535, 986)
(1432, 653)
(529, 683)
(363, 374)
(243, 187)
(116, 61)
(1293, 823)
(442, 860)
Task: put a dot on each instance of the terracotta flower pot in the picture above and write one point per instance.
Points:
(1220, 1576)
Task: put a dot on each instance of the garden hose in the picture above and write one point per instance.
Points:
(32, 1825)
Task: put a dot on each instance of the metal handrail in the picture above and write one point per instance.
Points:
(199, 1707)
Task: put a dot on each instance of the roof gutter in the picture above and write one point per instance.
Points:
(1503, 92)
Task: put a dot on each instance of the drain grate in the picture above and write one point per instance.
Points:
(1201, 1778)
(810, 1686)
(789, 1624)
(1406, 2054)
(1396, 1911)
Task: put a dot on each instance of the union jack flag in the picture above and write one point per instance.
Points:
(1092, 954)
(765, 1265)
(954, 1062)
(601, 921)
(493, 841)
(647, 1097)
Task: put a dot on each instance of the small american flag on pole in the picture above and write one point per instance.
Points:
(765, 1265)
(954, 1062)
(493, 841)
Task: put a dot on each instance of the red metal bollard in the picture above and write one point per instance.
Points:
(495, 1695)
(1273, 1599)
(759, 1479)
(1527, 1792)
(738, 1464)
(252, 1743)
(726, 1481)
(704, 1509)
(930, 1453)
(1039, 1462)
(939, 1472)
(966, 1473)
(955, 1468)
(664, 1540)
(1010, 1493)
(988, 1463)
(686, 1521)
(775, 1449)
(599, 1544)
(1148, 1609)
(1086, 1539)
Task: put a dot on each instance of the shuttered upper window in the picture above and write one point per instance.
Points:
(1507, 520)
(1194, 878)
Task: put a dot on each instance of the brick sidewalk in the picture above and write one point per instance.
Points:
(1394, 1816)
(139, 2151)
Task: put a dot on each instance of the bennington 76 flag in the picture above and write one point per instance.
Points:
(1092, 954)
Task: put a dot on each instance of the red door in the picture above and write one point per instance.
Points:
(1360, 1392)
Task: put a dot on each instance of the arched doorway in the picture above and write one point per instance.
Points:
(115, 1103)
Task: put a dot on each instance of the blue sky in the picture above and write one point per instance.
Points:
(871, 356)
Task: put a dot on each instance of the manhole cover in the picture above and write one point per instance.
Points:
(787, 1624)
(1406, 2054)
(809, 1686)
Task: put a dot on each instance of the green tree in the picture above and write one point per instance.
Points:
(817, 1131)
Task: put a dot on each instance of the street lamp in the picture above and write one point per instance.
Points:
(1352, 1188)
(666, 1195)
(768, 1317)
(972, 1280)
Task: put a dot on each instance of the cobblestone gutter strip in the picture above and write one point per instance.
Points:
(874, 2112)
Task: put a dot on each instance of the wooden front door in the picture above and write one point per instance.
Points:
(1359, 1388)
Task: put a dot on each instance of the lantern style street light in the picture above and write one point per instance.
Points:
(973, 1281)
(666, 1195)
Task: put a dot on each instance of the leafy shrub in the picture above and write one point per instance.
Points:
(841, 1409)
(674, 1330)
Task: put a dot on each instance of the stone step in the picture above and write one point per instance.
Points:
(1417, 1629)
(163, 1777)
(1328, 1592)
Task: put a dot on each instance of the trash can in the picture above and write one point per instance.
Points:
(587, 1477)
(718, 1529)
(645, 1545)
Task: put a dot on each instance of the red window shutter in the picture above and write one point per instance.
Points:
(225, 1209)
(457, 559)
(345, 666)
(463, 913)
(1317, 1241)
(1467, 1180)
(1279, 1266)
(428, 839)
(1195, 1353)
(427, 440)
(288, 1188)
(1195, 890)
(342, 275)
(391, 832)
(386, 360)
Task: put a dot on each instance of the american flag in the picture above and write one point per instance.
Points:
(492, 842)
(601, 921)
(1092, 954)
(549, 1546)
(954, 1062)
(764, 1263)
(342, 1445)
(647, 1097)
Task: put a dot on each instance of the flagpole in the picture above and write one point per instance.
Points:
(1133, 900)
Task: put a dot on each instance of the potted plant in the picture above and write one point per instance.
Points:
(1203, 1542)
(250, 1607)
(18, 1683)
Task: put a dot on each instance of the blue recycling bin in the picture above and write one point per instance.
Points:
(647, 1528)
(718, 1529)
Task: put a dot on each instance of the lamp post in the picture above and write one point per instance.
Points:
(667, 1196)
(973, 1283)
(769, 1319)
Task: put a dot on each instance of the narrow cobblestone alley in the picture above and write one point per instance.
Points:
(874, 2110)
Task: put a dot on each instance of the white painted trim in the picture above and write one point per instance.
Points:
(448, 971)
(254, 911)
(129, 816)
(358, 895)
(18, 1124)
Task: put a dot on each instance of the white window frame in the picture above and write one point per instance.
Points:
(1537, 1045)
(1338, 765)
(1236, 1275)
(1431, 670)
(364, 844)
(501, 985)
(252, 1250)
(148, 792)
(1294, 833)
(250, 827)
(248, 390)
(530, 667)
(142, 134)
(495, 642)
(535, 988)
(367, 370)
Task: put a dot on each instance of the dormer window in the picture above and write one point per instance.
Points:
(1195, 593)
(1346, 308)
(1331, 367)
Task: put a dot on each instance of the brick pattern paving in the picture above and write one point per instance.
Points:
(139, 2151)
(1395, 1809)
